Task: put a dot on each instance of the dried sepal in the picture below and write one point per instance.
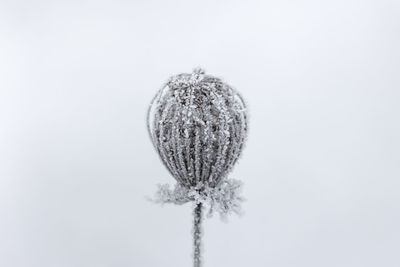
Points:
(224, 199)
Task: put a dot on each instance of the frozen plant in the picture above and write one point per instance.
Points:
(198, 125)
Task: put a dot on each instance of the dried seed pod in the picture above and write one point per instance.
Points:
(198, 125)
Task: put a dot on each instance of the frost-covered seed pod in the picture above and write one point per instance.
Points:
(198, 125)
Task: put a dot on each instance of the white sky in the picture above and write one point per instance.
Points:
(321, 167)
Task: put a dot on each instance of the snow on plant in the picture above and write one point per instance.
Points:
(198, 125)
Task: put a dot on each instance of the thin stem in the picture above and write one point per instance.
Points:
(197, 235)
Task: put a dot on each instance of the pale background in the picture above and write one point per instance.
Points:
(321, 167)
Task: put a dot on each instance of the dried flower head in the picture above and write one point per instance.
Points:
(198, 125)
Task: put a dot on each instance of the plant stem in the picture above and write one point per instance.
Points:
(197, 235)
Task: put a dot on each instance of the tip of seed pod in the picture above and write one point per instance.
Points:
(198, 70)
